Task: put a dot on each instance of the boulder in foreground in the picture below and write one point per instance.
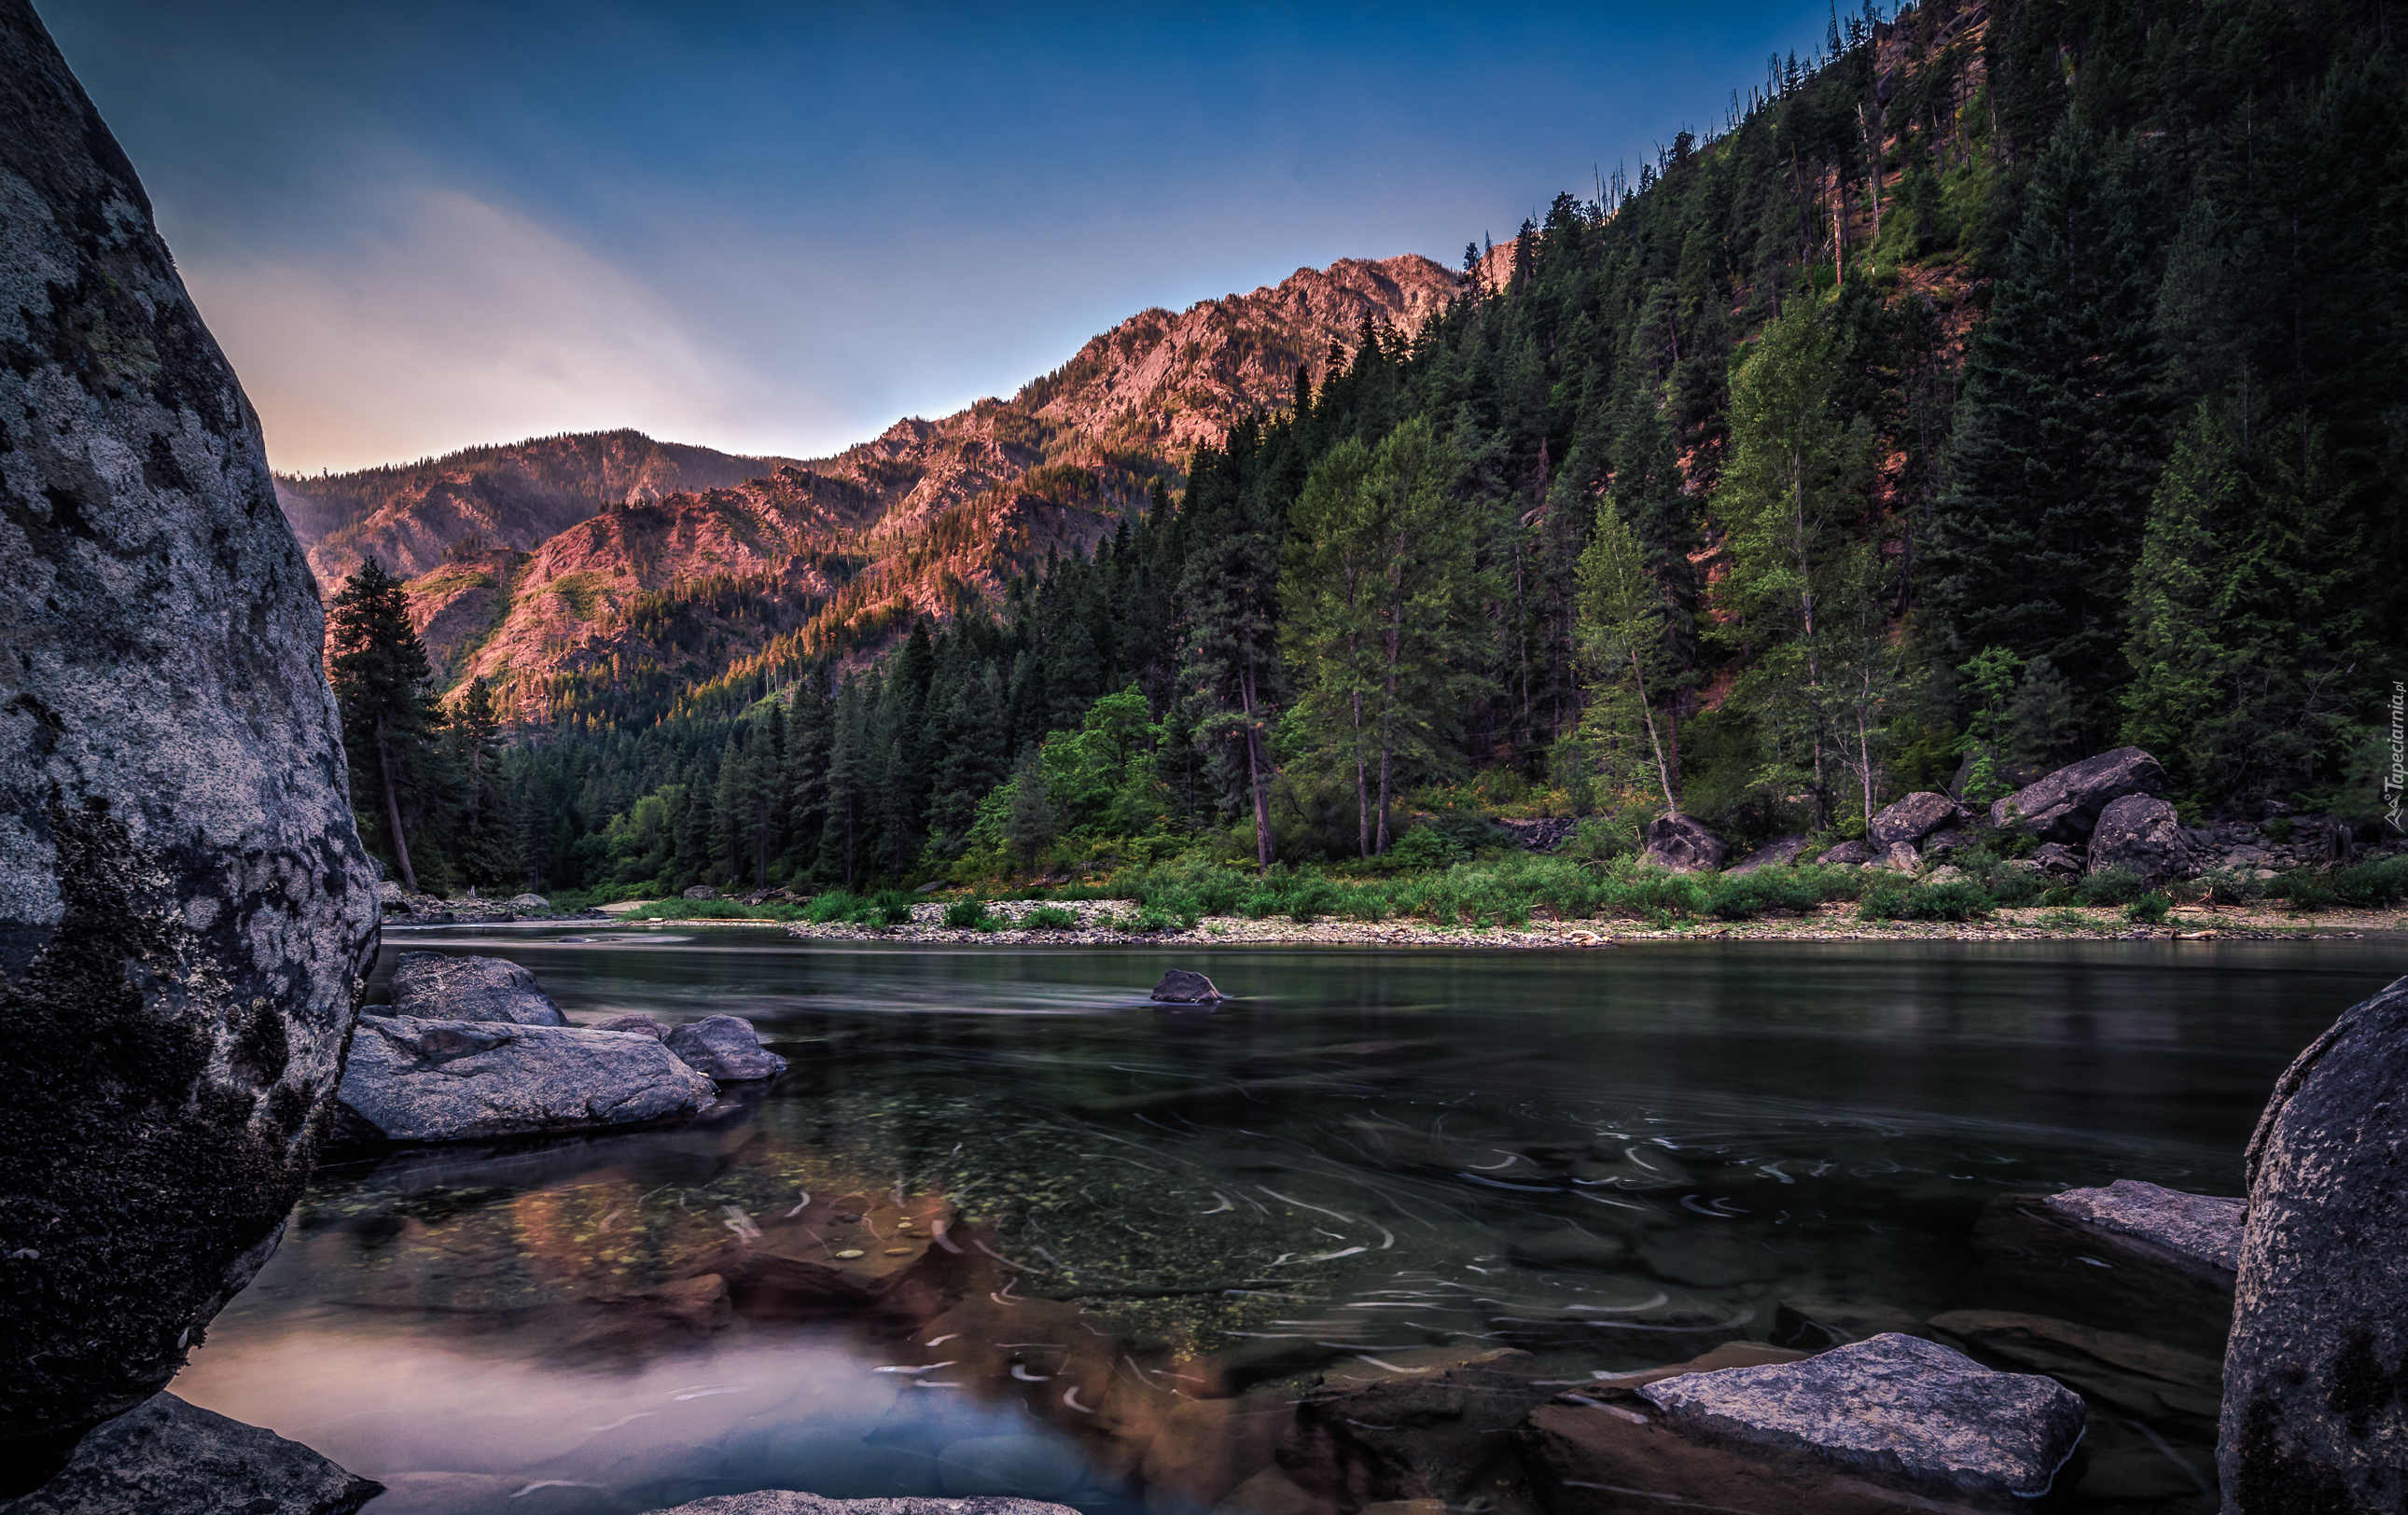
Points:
(457, 1080)
(439, 986)
(1183, 986)
(2314, 1416)
(167, 1457)
(2065, 807)
(724, 1047)
(1679, 843)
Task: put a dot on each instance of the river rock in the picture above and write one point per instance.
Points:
(184, 904)
(439, 986)
(1912, 819)
(167, 1457)
(1898, 857)
(2057, 860)
(1183, 986)
(726, 1047)
(2146, 1380)
(2141, 833)
(1679, 843)
(1780, 852)
(529, 903)
(2314, 1416)
(2065, 807)
(1419, 1438)
(1847, 854)
(453, 1081)
(641, 1025)
(2130, 1256)
(699, 892)
(790, 1502)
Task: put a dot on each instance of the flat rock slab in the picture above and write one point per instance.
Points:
(789, 1501)
(1895, 1407)
(439, 986)
(642, 1026)
(455, 1080)
(2203, 1226)
(726, 1047)
(167, 1457)
(1181, 986)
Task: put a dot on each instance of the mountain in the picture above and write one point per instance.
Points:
(639, 592)
(410, 515)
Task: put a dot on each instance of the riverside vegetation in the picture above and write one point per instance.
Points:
(2002, 384)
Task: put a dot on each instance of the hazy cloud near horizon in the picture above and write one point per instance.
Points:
(774, 229)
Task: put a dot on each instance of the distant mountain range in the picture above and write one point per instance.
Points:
(609, 574)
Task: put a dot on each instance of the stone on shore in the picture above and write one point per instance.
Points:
(1847, 854)
(528, 903)
(167, 1457)
(726, 1047)
(439, 986)
(2066, 805)
(1183, 986)
(1681, 844)
(641, 1025)
(1912, 819)
(2203, 1227)
(456, 1081)
(791, 1502)
(184, 904)
(1898, 857)
(2130, 1256)
(1780, 852)
(699, 892)
(2315, 1416)
(2141, 833)
(2057, 860)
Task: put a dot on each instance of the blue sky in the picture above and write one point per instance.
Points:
(778, 228)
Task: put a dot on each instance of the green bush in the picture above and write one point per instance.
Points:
(2372, 885)
(712, 909)
(1902, 901)
(2062, 920)
(970, 915)
(1049, 918)
(2118, 885)
(2149, 909)
(1426, 847)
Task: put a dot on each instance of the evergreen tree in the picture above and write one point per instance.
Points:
(1622, 626)
(379, 671)
(487, 837)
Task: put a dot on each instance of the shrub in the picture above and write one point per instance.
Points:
(889, 908)
(2149, 909)
(2118, 885)
(2067, 920)
(2369, 885)
(1902, 901)
(969, 915)
(837, 906)
(1426, 847)
(1049, 918)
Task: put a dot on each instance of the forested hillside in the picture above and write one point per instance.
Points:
(2008, 381)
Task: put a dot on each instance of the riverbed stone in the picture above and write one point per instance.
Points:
(1185, 986)
(185, 909)
(492, 1494)
(724, 1047)
(2130, 1256)
(2205, 1228)
(2141, 833)
(792, 1501)
(2146, 1380)
(2065, 807)
(167, 1457)
(1683, 844)
(1780, 852)
(414, 1080)
(1438, 1436)
(2315, 1414)
(443, 986)
(1912, 819)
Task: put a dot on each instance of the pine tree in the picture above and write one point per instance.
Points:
(1622, 627)
(1330, 631)
(487, 846)
(379, 671)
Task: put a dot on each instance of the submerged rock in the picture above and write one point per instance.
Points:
(2141, 833)
(1183, 986)
(1679, 843)
(1438, 1437)
(2065, 807)
(789, 1501)
(439, 986)
(726, 1047)
(1912, 819)
(1813, 1322)
(2314, 1415)
(184, 904)
(2143, 1379)
(454, 1080)
(2129, 1257)
(167, 1457)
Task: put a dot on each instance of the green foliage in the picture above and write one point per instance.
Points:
(1899, 900)
(715, 909)
(2149, 909)
(1049, 918)
(1990, 680)
(2117, 885)
(842, 907)
(1427, 846)
(970, 915)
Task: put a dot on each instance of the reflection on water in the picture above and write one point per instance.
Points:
(1371, 1163)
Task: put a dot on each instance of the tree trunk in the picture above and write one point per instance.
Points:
(1647, 713)
(393, 813)
(1263, 851)
(1362, 788)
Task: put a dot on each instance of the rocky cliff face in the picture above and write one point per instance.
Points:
(185, 910)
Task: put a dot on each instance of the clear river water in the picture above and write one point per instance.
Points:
(1384, 1151)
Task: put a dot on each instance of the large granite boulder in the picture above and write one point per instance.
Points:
(2315, 1416)
(1780, 852)
(1679, 842)
(1848, 855)
(1912, 819)
(724, 1047)
(2065, 807)
(455, 1080)
(165, 1457)
(2130, 1256)
(2141, 833)
(1863, 1429)
(185, 910)
(437, 986)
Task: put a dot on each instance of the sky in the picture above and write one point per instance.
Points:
(776, 229)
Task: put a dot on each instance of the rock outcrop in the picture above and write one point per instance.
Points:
(2141, 833)
(165, 1457)
(1679, 842)
(2065, 807)
(1185, 986)
(439, 986)
(2315, 1416)
(456, 1081)
(1912, 819)
(723, 1047)
(185, 910)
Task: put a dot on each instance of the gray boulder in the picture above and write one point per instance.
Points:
(1678, 842)
(437, 986)
(700, 892)
(724, 1047)
(1847, 854)
(2313, 1417)
(2065, 807)
(455, 1080)
(1780, 852)
(165, 1457)
(1898, 1409)
(1181, 986)
(1912, 819)
(1898, 857)
(2205, 1228)
(529, 903)
(184, 905)
(790, 1502)
(2141, 833)
(2057, 860)
(641, 1025)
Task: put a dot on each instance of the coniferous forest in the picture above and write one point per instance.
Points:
(2001, 385)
